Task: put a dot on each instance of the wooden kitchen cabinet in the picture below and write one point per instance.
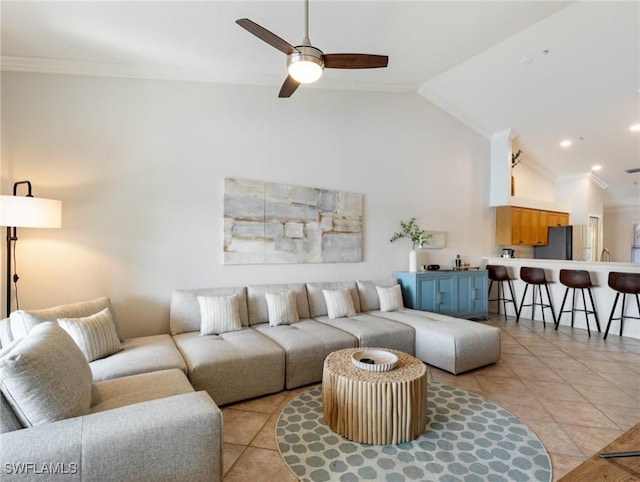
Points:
(525, 226)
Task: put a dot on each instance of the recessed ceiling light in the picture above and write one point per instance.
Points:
(635, 128)
(565, 143)
(596, 167)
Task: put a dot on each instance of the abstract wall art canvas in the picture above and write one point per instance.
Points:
(280, 223)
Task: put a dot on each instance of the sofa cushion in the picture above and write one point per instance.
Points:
(374, 331)
(23, 321)
(339, 303)
(184, 314)
(368, 294)
(306, 344)
(233, 366)
(282, 308)
(95, 335)
(45, 377)
(257, 302)
(139, 355)
(390, 298)
(8, 420)
(219, 314)
(317, 303)
(120, 392)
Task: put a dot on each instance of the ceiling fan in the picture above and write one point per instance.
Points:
(305, 62)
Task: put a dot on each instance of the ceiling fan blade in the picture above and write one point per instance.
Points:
(263, 34)
(289, 87)
(354, 61)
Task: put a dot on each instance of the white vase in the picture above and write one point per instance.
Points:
(413, 261)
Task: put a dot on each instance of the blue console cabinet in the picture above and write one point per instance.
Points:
(456, 293)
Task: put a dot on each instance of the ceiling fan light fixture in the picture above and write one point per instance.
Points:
(306, 64)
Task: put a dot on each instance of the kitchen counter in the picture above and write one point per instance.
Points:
(602, 294)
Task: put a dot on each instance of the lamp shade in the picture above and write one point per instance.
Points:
(30, 212)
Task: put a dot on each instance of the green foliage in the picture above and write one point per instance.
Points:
(411, 230)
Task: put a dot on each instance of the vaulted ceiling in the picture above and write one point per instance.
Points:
(550, 71)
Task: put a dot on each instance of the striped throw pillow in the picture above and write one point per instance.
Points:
(339, 303)
(96, 335)
(390, 298)
(219, 314)
(282, 308)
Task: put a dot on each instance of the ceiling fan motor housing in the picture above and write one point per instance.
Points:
(308, 59)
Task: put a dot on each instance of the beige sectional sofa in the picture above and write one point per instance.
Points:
(148, 401)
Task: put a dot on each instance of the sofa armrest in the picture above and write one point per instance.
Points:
(170, 439)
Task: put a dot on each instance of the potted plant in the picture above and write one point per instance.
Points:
(418, 237)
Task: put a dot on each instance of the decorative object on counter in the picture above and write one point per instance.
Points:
(458, 262)
(25, 212)
(627, 284)
(515, 160)
(418, 237)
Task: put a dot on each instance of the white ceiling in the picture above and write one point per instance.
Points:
(484, 62)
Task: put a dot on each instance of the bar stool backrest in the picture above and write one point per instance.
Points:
(497, 272)
(534, 276)
(575, 278)
(625, 282)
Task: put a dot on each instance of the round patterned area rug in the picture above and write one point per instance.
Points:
(468, 439)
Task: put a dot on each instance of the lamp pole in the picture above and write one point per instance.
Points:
(12, 236)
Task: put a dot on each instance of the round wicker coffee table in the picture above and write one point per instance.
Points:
(379, 408)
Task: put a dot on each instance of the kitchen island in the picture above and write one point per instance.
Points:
(602, 294)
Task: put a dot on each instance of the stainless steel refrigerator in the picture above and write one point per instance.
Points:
(564, 242)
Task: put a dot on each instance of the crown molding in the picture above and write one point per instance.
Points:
(10, 63)
(585, 175)
(435, 99)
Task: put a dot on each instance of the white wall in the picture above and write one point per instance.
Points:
(139, 166)
(618, 225)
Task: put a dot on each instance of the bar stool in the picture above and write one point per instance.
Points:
(577, 279)
(500, 275)
(627, 284)
(536, 278)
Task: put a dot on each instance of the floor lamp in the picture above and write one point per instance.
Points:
(25, 212)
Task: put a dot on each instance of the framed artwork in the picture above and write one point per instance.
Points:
(281, 223)
(436, 240)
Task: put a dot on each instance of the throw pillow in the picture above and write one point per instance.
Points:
(45, 377)
(339, 303)
(219, 314)
(390, 298)
(282, 308)
(95, 335)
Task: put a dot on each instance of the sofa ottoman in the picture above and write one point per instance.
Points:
(452, 344)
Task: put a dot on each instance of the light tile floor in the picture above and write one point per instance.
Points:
(576, 393)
